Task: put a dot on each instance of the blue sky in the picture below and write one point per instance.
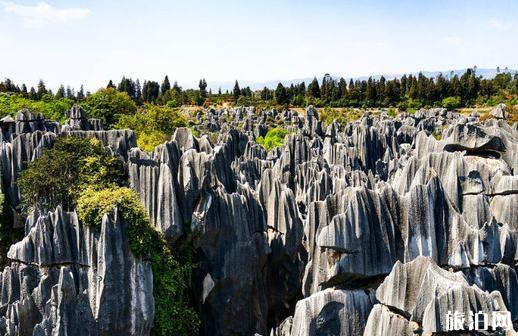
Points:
(90, 42)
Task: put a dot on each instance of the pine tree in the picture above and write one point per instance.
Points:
(176, 87)
(24, 92)
(166, 86)
(281, 95)
(138, 92)
(61, 92)
(314, 89)
(42, 90)
(265, 94)
(70, 92)
(9, 86)
(81, 93)
(203, 88)
(110, 85)
(127, 85)
(342, 88)
(370, 92)
(381, 87)
(150, 91)
(236, 92)
(33, 94)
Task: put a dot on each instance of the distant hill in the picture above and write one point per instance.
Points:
(272, 84)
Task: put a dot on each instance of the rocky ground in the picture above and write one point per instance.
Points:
(377, 227)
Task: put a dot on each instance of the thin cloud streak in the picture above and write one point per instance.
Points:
(43, 14)
(500, 25)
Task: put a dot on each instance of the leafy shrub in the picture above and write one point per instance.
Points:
(148, 141)
(153, 124)
(171, 279)
(273, 138)
(451, 103)
(51, 107)
(66, 168)
(327, 115)
(109, 105)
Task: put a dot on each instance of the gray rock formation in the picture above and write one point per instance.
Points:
(419, 296)
(332, 312)
(68, 279)
(420, 208)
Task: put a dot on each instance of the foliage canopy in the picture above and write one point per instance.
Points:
(274, 138)
(64, 170)
(153, 124)
(109, 105)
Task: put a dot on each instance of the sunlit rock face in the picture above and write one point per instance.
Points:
(376, 227)
(68, 279)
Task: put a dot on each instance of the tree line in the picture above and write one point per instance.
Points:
(408, 91)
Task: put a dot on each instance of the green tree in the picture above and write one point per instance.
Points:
(281, 95)
(42, 90)
(314, 89)
(109, 105)
(63, 170)
(127, 85)
(150, 91)
(81, 93)
(342, 88)
(203, 88)
(61, 92)
(153, 125)
(166, 86)
(236, 92)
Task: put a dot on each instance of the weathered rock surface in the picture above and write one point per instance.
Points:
(68, 279)
(420, 208)
(332, 312)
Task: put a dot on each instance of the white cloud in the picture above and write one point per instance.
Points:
(452, 40)
(500, 25)
(43, 14)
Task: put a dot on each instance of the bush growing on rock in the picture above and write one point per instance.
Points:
(171, 278)
(64, 170)
(273, 139)
(154, 125)
(50, 106)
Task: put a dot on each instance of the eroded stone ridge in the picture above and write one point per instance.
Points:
(376, 227)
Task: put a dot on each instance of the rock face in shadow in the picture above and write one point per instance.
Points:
(333, 312)
(376, 227)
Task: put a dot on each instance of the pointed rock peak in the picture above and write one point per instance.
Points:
(500, 112)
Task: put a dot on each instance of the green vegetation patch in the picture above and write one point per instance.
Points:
(327, 115)
(64, 170)
(451, 103)
(273, 139)
(153, 124)
(171, 278)
(51, 107)
(109, 105)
